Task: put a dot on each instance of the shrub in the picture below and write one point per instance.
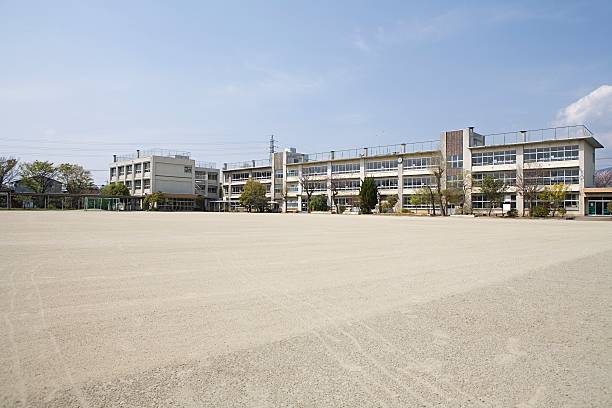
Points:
(319, 203)
(540, 211)
(512, 213)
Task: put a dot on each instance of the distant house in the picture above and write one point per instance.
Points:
(56, 187)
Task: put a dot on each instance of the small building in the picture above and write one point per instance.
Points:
(187, 185)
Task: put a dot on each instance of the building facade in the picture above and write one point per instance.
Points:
(187, 184)
(542, 157)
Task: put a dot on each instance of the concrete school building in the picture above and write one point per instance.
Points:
(186, 183)
(543, 156)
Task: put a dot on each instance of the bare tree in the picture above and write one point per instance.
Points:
(466, 192)
(308, 188)
(438, 169)
(8, 170)
(528, 186)
(333, 187)
(603, 178)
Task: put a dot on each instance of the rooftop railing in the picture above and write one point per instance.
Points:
(153, 152)
(247, 164)
(530, 136)
(374, 151)
(206, 165)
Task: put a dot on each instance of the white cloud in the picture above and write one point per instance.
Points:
(593, 110)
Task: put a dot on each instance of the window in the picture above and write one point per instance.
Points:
(507, 177)
(128, 170)
(494, 158)
(292, 173)
(138, 168)
(347, 185)
(278, 174)
(212, 189)
(188, 169)
(570, 202)
(262, 175)
(240, 176)
(213, 176)
(316, 186)
(407, 204)
(386, 183)
(237, 189)
(200, 175)
(146, 184)
(545, 154)
(553, 176)
(479, 201)
(137, 184)
(455, 161)
(418, 163)
(292, 204)
(418, 181)
(128, 184)
(292, 188)
(384, 165)
(113, 171)
(345, 168)
(121, 170)
(454, 181)
(147, 167)
(314, 170)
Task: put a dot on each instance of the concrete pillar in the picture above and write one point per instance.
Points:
(400, 181)
(329, 179)
(520, 171)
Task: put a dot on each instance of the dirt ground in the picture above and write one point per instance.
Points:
(204, 309)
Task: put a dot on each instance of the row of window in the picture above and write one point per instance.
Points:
(507, 177)
(479, 201)
(240, 188)
(202, 175)
(546, 154)
(553, 176)
(137, 184)
(138, 168)
(494, 158)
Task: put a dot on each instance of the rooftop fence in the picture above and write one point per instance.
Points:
(206, 165)
(526, 136)
(153, 152)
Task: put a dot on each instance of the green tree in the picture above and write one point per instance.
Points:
(76, 179)
(554, 197)
(8, 170)
(424, 196)
(151, 200)
(39, 175)
(319, 203)
(368, 195)
(493, 190)
(253, 196)
(115, 189)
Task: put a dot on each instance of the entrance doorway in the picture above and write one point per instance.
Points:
(598, 206)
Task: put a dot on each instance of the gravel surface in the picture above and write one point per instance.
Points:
(265, 310)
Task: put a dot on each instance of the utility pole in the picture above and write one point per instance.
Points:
(272, 146)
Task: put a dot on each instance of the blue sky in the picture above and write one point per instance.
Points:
(82, 80)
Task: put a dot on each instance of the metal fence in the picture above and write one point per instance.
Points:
(535, 135)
